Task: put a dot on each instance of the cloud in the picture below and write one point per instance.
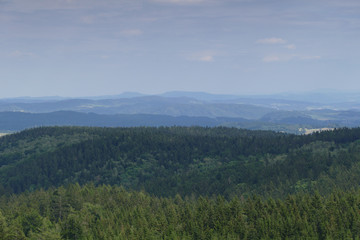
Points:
(284, 58)
(310, 57)
(290, 46)
(271, 59)
(18, 54)
(205, 56)
(131, 32)
(88, 19)
(271, 41)
(276, 41)
(47, 5)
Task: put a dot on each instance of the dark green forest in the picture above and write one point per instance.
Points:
(179, 183)
(110, 212)
(167, 161)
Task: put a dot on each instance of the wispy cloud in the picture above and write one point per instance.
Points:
(205, 56)
(280, 42)
(271, 41)
(88, 19)
(310, 57)
(290, 46)
(18, 54)
(35, 5)
(272, 59)
(131, 32)
(285, 58)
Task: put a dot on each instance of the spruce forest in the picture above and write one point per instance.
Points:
(179, 183)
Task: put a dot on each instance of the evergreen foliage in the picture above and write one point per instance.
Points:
(178, 160)
(179, 183)
(110, 212)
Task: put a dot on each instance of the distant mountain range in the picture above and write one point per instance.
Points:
(181, 106)
(281, 112)
(16, 121)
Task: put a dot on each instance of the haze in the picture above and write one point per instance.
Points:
(89, 47)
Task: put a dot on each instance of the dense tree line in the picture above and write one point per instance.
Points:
(110, 212)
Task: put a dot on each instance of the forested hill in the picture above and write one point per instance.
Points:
(110, 212)
(167, 161)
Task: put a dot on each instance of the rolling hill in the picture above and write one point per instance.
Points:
(179, 160)
(179, 183)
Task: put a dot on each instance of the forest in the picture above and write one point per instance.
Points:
(111, 212)
(179, 183)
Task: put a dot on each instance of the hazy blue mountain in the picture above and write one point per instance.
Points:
(122, 95)
(281, 112)
(321, 99)
(278, 104)
(350, 118)
(322, 96)
(144, 105)
(200, 95)
(31, 99)
(16, 121)
(259, 100)
(299, 118)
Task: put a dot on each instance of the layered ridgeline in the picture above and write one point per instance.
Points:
(17, 121)
(275, 113)
(190, 161)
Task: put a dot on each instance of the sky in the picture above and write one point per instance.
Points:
(80, 48)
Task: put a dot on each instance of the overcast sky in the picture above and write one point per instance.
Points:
(99, 47)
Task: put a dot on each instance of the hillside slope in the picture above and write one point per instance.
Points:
(178, 160)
